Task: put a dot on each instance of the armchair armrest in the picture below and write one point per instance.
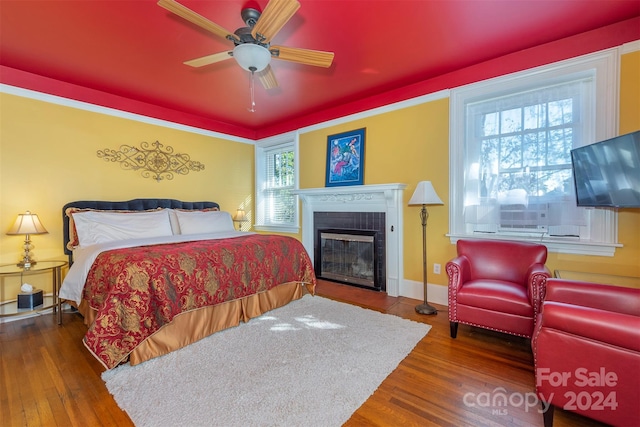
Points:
(537, 277)
(604, 297)
(459, 271)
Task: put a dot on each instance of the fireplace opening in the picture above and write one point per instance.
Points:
(348, 256)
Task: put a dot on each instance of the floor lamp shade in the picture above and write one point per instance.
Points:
(424, 195)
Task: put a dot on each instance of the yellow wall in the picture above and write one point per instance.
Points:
(403, 146)
(626, 261)
(629, 93)
(48, 158)
(411, 145)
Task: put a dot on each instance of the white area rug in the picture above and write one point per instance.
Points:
(312, 362)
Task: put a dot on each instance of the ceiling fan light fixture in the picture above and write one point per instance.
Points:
(252, 57)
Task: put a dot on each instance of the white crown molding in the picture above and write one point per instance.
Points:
(66, 102)
(12, 90)
(379, 110)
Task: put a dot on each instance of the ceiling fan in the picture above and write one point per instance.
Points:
(252, 44)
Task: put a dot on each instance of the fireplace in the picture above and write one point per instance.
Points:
(347, 256)
(366, 208)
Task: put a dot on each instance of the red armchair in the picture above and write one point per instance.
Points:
(497, 285)
(586, 349)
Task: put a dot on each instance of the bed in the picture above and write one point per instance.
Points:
(151, 276)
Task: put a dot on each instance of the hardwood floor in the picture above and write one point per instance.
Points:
(48, 378)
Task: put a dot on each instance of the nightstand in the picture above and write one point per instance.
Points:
(10, 308)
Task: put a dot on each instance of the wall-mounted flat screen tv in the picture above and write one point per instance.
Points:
(607, 173)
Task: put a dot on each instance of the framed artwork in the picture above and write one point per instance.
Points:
(345, 158)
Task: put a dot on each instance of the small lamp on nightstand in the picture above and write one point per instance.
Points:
(240, 217)
(27, 224)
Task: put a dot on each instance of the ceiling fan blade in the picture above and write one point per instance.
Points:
(273, 18)
(317, 58)
(267, 78)
(209, 59)
(195, 18)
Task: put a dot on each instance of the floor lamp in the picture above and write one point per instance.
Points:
(424, 195)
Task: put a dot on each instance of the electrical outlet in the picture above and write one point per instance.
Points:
(436, 268)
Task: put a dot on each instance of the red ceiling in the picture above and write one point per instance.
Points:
(128, 54)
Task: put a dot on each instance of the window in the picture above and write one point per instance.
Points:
(511, 139)
(276, 176)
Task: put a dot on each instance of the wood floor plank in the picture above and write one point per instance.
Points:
(10, 401)
(64, 411)
(49, 378)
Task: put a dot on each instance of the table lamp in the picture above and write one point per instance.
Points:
(240, 217)
(27, 224)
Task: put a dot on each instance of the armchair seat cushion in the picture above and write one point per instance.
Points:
(496, 295)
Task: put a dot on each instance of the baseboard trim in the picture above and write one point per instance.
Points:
(435, 293)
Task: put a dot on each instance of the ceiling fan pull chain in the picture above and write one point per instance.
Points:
(253, 78)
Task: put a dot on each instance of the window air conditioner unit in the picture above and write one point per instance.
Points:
(533, 216)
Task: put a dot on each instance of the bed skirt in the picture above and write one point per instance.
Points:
(191, 326)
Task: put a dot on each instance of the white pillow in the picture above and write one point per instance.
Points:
(197, 222)
(101, 227)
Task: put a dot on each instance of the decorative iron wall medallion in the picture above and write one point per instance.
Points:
(154, 160)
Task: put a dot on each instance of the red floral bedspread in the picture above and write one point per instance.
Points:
(136, 291)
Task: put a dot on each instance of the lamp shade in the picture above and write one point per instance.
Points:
(27, 223)
(425, 194)
(240, 215)
(252, 57)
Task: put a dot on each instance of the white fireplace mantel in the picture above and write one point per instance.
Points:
(385, 198)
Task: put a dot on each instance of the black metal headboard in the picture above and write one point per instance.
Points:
(130, 205)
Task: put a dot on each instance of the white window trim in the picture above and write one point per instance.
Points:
(261, 146)
(606, 65)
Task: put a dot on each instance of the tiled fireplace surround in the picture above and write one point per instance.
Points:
(386, 198)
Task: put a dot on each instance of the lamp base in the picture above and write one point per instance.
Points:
(426, 309)
(26, 264)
